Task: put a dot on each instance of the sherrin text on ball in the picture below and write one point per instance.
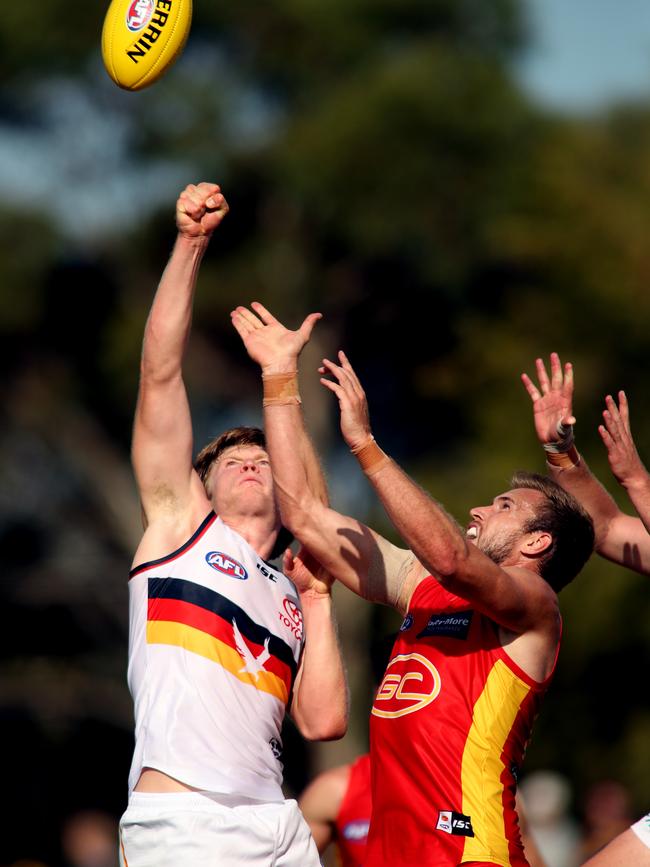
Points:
(142, 38)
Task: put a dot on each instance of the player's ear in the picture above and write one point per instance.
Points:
(534, 544)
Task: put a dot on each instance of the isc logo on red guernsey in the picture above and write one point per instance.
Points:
(411, 682)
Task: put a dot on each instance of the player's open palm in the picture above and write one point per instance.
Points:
(266, 339)
(200, 209)
(355, 419)
(552, 399)
(624, 460)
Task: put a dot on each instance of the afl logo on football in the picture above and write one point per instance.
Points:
(224, 563)
(139, 14)
(411, 682)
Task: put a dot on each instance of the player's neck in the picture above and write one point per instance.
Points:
(260, 531)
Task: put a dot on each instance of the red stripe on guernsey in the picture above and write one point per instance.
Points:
(203, 528)
(177, 611)
(524, 721)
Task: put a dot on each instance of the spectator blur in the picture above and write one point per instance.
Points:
(90, 839)
(607, 813)
(547, 798)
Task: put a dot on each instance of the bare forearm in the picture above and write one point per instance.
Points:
(638, 490)
(170, 319)
(425, 526)
(320, 705)
(297, 472)
(579, 481)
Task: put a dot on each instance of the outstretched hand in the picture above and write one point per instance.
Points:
(306, 573)
(624, 460)
(552, 400)
(267, 341)
(199, 210)
(355, 419)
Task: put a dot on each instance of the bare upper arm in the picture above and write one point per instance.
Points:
(516, 598)
(627, 542)
(162, 451)
(371, 566)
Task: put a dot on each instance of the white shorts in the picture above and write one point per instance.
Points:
(195, 829)
(642, 829)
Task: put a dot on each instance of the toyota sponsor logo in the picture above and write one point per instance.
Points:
(291, 617)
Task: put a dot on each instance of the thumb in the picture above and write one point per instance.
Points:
(307, 326)
(287, 560)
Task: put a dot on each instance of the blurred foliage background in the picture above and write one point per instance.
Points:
(383, 165)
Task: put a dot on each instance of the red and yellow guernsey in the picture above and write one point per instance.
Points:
(448, 732)
(353, 818)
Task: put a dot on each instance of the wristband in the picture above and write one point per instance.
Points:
(280, 389)
(564, 460)
(371, 458)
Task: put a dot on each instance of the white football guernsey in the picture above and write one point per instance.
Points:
(214, 644)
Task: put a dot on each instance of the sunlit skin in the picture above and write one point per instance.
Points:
(241, 483)
(496, 529)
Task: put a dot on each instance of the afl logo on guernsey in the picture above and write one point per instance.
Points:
(139, 14)
(411, 682)
(224, 563)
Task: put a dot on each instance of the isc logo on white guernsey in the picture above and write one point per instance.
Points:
(223, 563)
(411, 682)
(139, 14)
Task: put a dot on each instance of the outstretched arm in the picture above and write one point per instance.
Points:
(162, 433)
(320, 804)
(352, 553)
(619, 537)
(509, 596)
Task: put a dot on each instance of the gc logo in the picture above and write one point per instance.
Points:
(411, 682)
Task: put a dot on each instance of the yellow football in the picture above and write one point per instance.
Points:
(142, 38)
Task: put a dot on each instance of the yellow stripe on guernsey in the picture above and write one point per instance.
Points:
(196, 641)
(495, 712)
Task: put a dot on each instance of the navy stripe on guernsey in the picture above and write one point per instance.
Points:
(180, 590)
(194, 538)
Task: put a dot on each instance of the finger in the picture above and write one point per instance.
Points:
(307, 326)
(342, 376)
(542, 375)
(611, 424)
(250, 317)
(333, 386)
(624, 409)
(194, 201)
(266, 317)
(568, 380)
(347, 367)
(530, 387)
(242, 326)
(556, 371)
(606, 437)
(287, 560)
(612, 408)
(216, 202)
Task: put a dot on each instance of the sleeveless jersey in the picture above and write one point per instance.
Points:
(448, 731)
(353, 818)
(214, 645)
